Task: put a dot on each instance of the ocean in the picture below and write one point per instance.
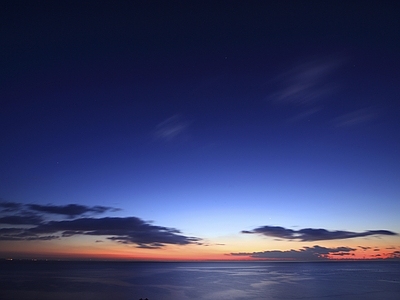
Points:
(73, 280)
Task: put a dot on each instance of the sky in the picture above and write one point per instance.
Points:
(200, 130)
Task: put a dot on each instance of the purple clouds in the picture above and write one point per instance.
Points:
(27, 222)
(313, 234)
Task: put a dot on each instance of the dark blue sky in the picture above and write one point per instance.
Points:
(207, 117)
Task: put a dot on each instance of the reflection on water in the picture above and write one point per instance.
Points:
(238, 280)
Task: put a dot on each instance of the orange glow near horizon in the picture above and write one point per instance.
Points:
(74, 249)
(157, 256)
(86, 248)
(165, 255)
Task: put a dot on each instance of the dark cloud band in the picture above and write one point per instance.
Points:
(312, 234)
(127, 230)
(307, 253)
(70, 210)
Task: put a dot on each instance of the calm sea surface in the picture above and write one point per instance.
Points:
(226, 280)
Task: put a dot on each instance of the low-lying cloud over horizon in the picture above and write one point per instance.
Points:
(126, 230)
(313, 234)
(307, 253)
(30, 222)
(314, 253)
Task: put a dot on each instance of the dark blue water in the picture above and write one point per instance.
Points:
(238, 280)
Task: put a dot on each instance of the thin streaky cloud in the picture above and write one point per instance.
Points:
(171, 128)
(305, 83)
(355, 118)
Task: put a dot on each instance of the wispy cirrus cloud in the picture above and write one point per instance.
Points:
(307, 253)
(26, 224)
(306, 83)
(357, 117)
(313, 234)
(305, 88)
(171, 128)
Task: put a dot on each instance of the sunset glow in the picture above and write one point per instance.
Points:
(191, 131)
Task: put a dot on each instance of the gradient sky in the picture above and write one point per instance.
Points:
(200, 130)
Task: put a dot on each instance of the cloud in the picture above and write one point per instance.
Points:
(31, 211)
(343, 254)
(171, 128)
(9, 206)
(307, 253)
(25, 223)
(395, 255)
(305, 86)
(356, 117)
(364, 248)
(71, 210)
(306, 83)
(22, 234)
(128, 230)
(312, 234)
(21, 220)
